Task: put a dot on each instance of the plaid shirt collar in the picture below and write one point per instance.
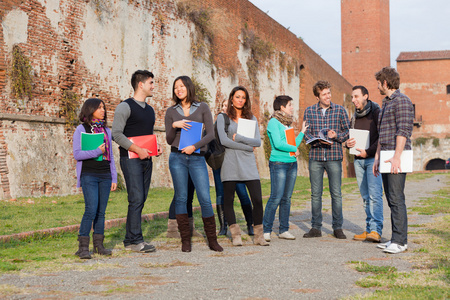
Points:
(318, 107)
(392, 97)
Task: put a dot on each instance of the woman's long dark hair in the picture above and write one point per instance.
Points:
(246, 110)
(88, 108)
(191, 98)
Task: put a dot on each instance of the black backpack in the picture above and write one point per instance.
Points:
(216, 151)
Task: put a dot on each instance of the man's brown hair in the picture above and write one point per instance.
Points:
(391, 76)
(320, 86)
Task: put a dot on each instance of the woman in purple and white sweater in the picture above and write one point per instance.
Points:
(96, 177)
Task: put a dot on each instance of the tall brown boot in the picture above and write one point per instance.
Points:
(210, 230)
(172, 229)
(83, 247)
(98, 239)
(236, 235)
(259, 236)
(192, 227)
(185, 232)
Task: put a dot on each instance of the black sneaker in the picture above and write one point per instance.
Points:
(313, 233)
(339, 234)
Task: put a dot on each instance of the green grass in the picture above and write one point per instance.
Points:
(439, 203)
(48, 212)
(429, 280)
(55, 252)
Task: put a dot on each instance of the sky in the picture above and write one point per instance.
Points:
(416, 25)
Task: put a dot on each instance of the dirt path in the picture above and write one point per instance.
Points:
(301, 269)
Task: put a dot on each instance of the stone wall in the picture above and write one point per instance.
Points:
(90, 49)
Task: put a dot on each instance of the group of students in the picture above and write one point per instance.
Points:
(239, 172)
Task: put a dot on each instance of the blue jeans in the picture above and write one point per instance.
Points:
(190, 199)
(241, 190)
(334, 172)
(137, 174)
(394, 186)
(96, 194)
(371, 189)
(181, 165)
(282, 182)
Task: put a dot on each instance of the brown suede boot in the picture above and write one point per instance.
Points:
(185, 232)
(259, 236)
(83, 247)
(236, 234)
(172, 229)
(192, 228)
(210, 230)
(98, 239)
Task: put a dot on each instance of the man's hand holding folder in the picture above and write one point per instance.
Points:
(144, 147)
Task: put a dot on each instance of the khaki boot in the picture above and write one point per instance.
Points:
(360, 237)
(373, 237)
(236, 235)
(259, 236)
(172, 229)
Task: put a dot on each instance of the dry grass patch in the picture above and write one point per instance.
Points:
(223, 254)
(175, 263)
(7, 290)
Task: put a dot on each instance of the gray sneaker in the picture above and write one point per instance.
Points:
(141, 247)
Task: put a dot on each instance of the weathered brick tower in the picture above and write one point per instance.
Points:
(365, 36)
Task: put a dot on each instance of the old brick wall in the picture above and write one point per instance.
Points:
(365, 36)
(91, 48)
(425, 83)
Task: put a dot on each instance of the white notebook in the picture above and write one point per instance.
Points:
(406, 161)
(246, 128)
(362, 138)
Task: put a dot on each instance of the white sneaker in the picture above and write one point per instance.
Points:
(395, 248)
(384, 245)
(286, 235)
(267, 236)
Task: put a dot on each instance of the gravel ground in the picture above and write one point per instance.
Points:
(301, 269)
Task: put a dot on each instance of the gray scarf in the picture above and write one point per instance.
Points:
(361, 113)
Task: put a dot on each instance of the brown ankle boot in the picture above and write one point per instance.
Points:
(172, 229)
(210, 230)
(83, 247)
(185, 232)
(259, 236)
(98, 239)
(192, 227)
(236, 235)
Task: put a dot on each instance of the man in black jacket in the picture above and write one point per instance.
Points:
(370, 187)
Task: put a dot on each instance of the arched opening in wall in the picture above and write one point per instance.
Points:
(448, 89)
(435, 164)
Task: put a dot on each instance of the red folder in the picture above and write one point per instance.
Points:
(290, 138)
(146, 142)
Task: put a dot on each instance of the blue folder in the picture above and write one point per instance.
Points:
(191, 136)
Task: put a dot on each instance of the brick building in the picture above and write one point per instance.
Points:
(365, 36)
(425, 78)
(73, 50)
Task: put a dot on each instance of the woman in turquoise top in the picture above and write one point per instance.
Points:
(283, 167)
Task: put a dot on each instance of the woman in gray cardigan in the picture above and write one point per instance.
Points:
(186, 162)
(239, 164)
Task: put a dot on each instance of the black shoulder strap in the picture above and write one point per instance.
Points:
(227, 121)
